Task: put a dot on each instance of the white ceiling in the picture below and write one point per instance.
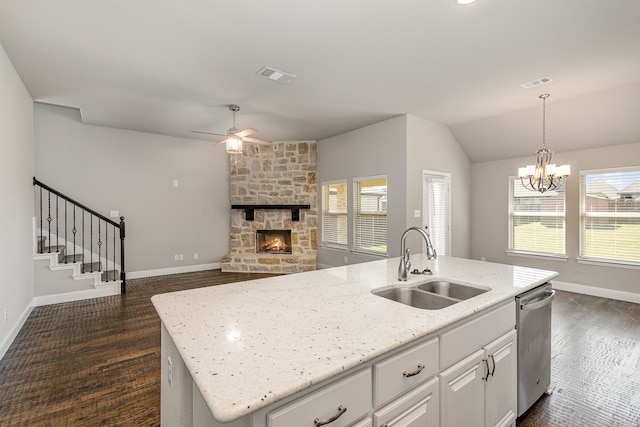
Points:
(170, 66)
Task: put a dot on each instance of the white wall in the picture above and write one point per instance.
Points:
(401, 148)
(379, 149)
(489, 216)
(133, 172)
(432, 146)
(16, 205)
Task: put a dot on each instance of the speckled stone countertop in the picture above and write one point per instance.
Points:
(252, 343)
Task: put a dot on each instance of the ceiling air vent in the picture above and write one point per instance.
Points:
(276, 75)
(536, 82)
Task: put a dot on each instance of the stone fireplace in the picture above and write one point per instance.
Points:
(273, 194)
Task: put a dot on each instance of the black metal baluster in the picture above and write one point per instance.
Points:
(91, 242)
(57, 231)
(66, 259)
(74, 231)
(99, 247)
(114, 254)
(82, 240)
(106, 249)
(41, 227)
(49, 219)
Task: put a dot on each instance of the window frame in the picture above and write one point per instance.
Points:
(556, 256)
(324, 213)
(601, 260)
(355, 247)
(429, 177)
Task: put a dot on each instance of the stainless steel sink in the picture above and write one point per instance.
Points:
(451, 289)
(416, 298)
(431, 295)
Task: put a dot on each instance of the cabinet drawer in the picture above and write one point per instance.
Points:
(471, 336)
(393, 376)
(352, 393)
(420, 407)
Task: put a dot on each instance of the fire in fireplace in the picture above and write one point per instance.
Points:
(273, 241)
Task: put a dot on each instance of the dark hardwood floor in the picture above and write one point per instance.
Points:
(97, 362)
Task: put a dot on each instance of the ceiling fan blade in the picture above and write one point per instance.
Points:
(209, 133)
(246, 132)
(256, 141)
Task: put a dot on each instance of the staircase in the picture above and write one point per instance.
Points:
(73, 237)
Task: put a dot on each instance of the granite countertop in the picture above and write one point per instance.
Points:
(252, 343)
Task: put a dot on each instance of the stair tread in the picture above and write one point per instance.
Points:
(72, 258)
(52, 249)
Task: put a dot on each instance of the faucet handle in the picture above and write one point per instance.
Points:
(407, 261)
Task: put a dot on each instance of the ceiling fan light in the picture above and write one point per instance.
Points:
(234, 145)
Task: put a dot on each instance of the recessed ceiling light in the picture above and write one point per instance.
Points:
(463, 2)
(536, 82)
(276, 75)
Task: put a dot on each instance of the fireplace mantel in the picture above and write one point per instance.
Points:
(249, 210)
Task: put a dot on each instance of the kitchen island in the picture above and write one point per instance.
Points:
(237, 353)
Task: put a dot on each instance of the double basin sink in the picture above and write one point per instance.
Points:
(432, 295)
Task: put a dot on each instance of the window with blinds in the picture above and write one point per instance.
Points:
(370, 214)
(537, 223)
(610, 215)
(437, 202)
(334, 214)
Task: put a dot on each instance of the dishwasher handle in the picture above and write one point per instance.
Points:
(549, 294)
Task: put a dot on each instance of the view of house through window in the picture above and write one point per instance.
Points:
(334, 214)
(536, 220)
(370, 214)
(610, 215)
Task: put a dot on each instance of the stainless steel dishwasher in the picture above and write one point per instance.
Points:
(533, 323)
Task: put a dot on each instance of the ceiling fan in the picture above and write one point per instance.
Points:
(236, 138)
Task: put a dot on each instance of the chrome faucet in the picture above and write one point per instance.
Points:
(405, 263)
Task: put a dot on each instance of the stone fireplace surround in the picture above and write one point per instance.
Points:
(282, 173)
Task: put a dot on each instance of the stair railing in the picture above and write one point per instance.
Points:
(50, 218)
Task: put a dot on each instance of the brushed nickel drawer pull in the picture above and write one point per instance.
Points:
(416, 372)
(341, 410)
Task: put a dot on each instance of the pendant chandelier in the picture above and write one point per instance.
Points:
(543, 176)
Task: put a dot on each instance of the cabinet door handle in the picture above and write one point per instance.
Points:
(416, 372)
(493, 362)
(486, 363)
(341, 410)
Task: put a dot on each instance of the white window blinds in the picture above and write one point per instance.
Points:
(610, 215)
(334, 214)
(370, 214)
(536, 220)
(437, 210)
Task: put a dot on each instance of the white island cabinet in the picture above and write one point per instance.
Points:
(319, 348)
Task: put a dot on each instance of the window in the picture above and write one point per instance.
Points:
(334, 214)
(436, 203)
(536, 220)
(610, 215)
(370, 214)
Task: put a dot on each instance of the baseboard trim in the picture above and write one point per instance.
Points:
(15, 330)
(103, 291)
(173, 270)
(597, 292)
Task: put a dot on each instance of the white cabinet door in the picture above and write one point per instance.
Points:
(501, 387)
(416, 408)
(462, 392)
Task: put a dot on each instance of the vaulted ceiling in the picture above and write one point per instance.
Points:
(171, 67)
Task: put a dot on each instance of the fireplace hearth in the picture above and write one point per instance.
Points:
(273, 241)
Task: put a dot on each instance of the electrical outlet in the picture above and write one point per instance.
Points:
(181, 257)
(195, 256)
(176, 257)
(175, 182)
(170, 372)
(6, 315)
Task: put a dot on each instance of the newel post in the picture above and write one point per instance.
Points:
(123, 274)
